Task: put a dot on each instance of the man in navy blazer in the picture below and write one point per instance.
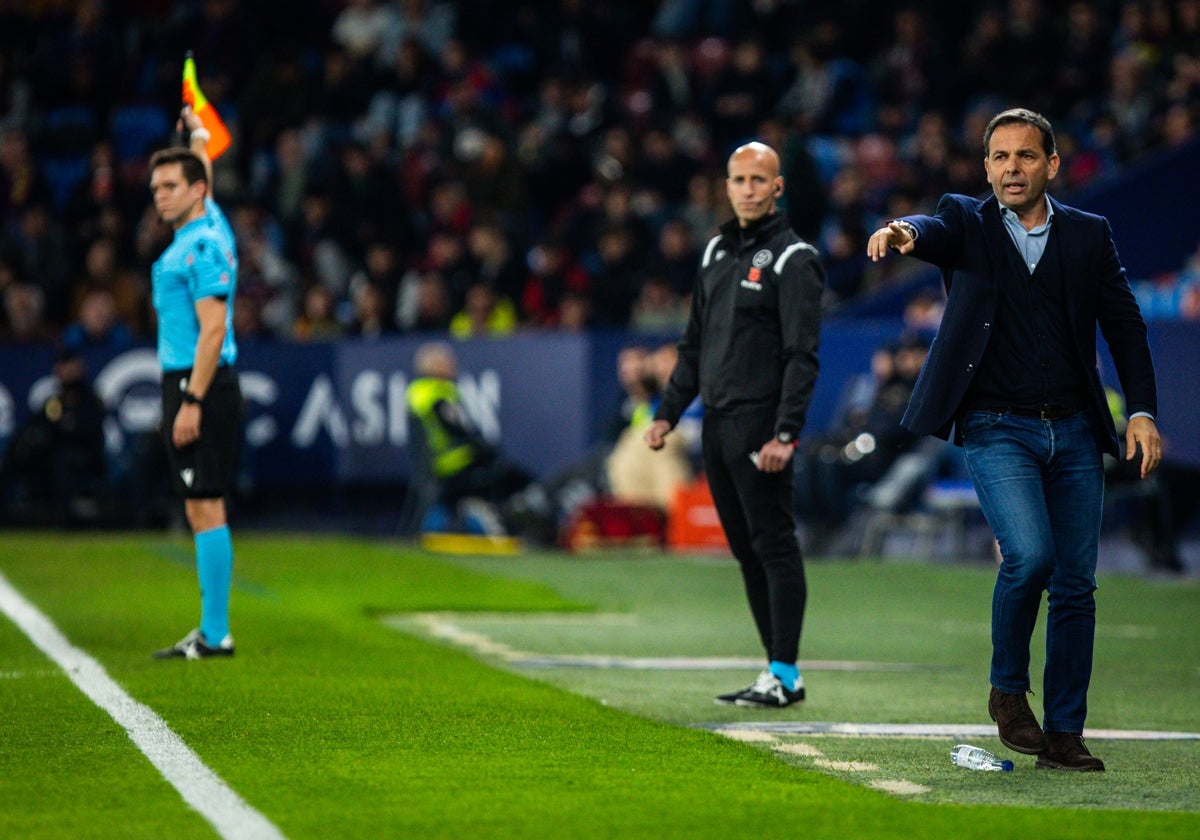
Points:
(1012, 374)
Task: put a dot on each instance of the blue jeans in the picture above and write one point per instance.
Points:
(1041, 486)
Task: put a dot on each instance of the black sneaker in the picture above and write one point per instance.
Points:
(731, 698)
(768, 693)
(193, 646)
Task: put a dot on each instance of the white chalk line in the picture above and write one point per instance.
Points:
(933, 730)
(749, 735)
(199, 786)
(448, 627)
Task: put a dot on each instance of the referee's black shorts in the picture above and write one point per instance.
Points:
(204, 469)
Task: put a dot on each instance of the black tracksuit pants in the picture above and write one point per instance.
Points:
(757, 514)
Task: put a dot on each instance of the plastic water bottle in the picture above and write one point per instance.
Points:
(977, 758)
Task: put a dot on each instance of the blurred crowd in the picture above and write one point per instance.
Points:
(423, 165)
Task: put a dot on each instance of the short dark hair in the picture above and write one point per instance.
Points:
(1021, 115)
(193, 167)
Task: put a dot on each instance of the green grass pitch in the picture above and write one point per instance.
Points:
(349, 712)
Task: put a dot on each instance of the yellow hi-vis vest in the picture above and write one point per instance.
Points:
(445, 458)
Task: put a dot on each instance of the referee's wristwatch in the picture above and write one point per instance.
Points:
(786, 438)
(190, 398)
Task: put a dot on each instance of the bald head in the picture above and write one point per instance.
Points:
(753, 182)
(436, 359)
(760, 153)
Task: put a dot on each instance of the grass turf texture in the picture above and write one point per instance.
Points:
(333, 724)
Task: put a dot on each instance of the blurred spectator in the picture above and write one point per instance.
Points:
(362, 27)
(24, 315)
(706, 206)
(575, 312)
(21, 180)
(382, 268)
(677, 257)
(492, 176)
(1164, 505)
(54, 470)
(553, 272)
(616, 276)
(424, 302)
(498, 264)
(248, 323)
(657, 310)
(829, 91)
(1083, 55)
(266, 278)
(485, 314)
(447, 254)
(316, 242)
(427, 22)
(276, 96)
(632, 478)
(472, 476)
(97, 326)
(743, 91)
(317, 321)
(38, 244)
(103, 267)
(638, 386)
(101, 189)
(671, 82)
(862, 444)
(371, 318)
(281, 180)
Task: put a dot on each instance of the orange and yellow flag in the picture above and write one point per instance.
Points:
(218, 139)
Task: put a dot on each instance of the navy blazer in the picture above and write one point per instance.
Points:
(966, 240)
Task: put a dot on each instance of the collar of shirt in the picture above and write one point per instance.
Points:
(1030, 243)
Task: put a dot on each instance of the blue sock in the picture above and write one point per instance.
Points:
(214, 564)
(789, 675)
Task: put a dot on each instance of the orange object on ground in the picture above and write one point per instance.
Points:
(692, 521)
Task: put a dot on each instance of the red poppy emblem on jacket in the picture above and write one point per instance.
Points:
(755, 275)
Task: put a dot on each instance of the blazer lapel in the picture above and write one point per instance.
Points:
(995, 237)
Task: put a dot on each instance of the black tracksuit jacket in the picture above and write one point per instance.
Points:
(752, 334)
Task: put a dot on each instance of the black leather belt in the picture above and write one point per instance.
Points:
(1048, 412)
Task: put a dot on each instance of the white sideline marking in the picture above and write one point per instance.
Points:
(847, 766)
(799, 748)
(899, 787)
(937, 730)
(199, 786)
(750, 736)
(446, 626)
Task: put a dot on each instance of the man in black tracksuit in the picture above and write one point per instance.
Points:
(750, 351)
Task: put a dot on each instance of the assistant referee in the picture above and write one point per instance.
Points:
(750, 352)
(193, 286)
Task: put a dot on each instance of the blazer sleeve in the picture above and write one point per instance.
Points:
(940, 236)
(1124, 329)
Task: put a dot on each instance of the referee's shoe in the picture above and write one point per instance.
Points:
(194, 646)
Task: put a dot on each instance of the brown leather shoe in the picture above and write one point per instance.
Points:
(1019, 730)
(1067, 751)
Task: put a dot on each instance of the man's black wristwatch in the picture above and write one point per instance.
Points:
(786, 438)
(190, 398)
